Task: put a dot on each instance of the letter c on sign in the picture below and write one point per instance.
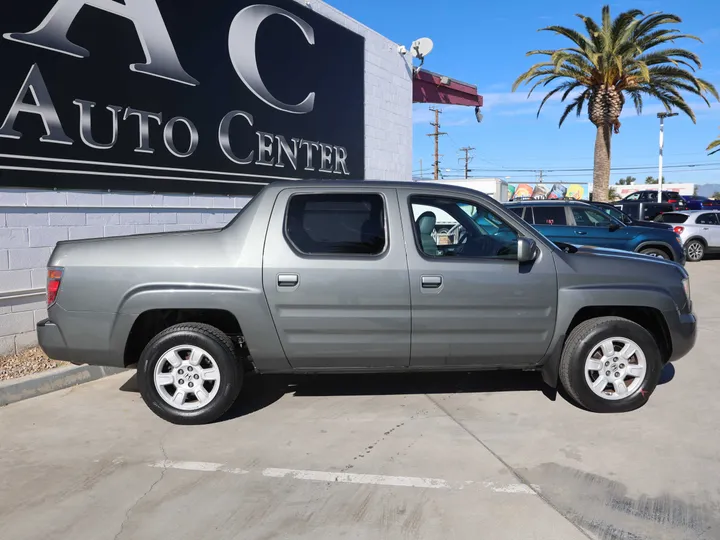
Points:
(241, 46)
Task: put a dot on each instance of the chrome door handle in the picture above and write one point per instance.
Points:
(580, 232)
(431, 282)
(287, 280)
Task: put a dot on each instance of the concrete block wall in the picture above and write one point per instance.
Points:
(33, 221)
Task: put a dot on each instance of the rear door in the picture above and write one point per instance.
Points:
(336, 278)
(553, 221)
(710, 227)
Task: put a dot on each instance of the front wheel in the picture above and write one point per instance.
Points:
(694, 250)
(655, 252)
(610, 364)
(189, 374)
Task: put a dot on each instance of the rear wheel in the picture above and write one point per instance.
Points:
(610, 364)
(655, 252)
(189, 374)
(695, 250)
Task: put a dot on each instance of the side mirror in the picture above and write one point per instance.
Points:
(614, 226)
(527, 250)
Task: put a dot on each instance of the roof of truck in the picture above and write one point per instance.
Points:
(383, 184)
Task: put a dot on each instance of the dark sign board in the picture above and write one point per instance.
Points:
(177, 95)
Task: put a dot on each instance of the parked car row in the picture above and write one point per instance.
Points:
(575, 222)
(679, 228)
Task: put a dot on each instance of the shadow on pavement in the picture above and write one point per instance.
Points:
(261, 391)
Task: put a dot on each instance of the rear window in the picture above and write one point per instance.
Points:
(671, 218)
(337, 223)
(516, 210)
(548, 215)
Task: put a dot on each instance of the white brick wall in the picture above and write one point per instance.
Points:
(32, 221)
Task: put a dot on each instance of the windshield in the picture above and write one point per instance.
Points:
(671, 218)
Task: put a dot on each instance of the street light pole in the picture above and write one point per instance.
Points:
(662, 116)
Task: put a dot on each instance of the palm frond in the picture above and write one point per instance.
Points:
(714, 147)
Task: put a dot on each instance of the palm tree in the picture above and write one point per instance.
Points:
(624, 57)
(714, 147)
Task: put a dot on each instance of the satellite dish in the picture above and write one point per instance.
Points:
(421, 47)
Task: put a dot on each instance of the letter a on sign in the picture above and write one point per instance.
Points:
(42, 106)
(160, 56)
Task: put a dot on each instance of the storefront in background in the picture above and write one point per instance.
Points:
(146, 116)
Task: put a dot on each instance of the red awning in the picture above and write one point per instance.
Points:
(429, 87)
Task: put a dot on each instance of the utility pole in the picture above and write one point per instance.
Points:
(662, 116)
(468, 157)
(436, 134)
(421, 170)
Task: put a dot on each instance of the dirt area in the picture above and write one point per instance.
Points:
(27, 362)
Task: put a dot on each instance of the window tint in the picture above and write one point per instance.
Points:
(633, 197)
(707, 219)
(671, 218)
(337, 224)
(449, 227)
(517, 211)
(617, 214)
(549, 215)
(589, 217)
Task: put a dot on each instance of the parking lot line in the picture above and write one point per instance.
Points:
(347, 478)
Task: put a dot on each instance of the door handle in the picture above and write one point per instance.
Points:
(287, 280)
(431, 282)
(706, 228)
(580, 232)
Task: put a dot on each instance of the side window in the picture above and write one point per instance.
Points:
(449, 227)
(517, 210)
(633, 197)
(337, 223)
(589, 217)
(707, 219)
(549, 215)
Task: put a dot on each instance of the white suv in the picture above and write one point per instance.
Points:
(698, 229)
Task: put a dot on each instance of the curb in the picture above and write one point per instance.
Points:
(52, 380)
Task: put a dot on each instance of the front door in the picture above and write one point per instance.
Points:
(473, 303)
(598, 227)
(336, 279)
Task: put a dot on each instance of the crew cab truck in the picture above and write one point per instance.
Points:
(346, 277)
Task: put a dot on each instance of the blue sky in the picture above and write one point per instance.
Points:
(484, 43)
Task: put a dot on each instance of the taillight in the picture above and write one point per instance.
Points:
(678, 229)
(53, 284)
(672, 200)
(707, 203)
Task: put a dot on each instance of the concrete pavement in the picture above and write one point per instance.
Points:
(484, 455)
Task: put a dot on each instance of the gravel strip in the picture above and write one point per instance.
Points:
(27, 362)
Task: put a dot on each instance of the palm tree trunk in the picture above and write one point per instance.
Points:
(601, 171)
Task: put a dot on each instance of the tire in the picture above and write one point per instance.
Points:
(585, 341)
(695, 250)
(209, 387)
(655, 252)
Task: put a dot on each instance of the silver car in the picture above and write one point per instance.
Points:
(698, 229)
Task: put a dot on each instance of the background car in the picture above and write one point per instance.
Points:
(698, 229)
(618, 214)
(698, 202)
(574, 222)
(651, 195)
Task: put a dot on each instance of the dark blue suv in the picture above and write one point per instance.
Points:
(580, 223)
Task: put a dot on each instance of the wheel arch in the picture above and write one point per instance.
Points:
(643, 306)
(656, 244)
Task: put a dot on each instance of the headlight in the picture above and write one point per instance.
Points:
(686, 286)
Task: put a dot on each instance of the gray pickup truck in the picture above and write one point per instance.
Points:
(348, 277)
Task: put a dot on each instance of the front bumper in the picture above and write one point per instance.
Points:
(683, 332)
